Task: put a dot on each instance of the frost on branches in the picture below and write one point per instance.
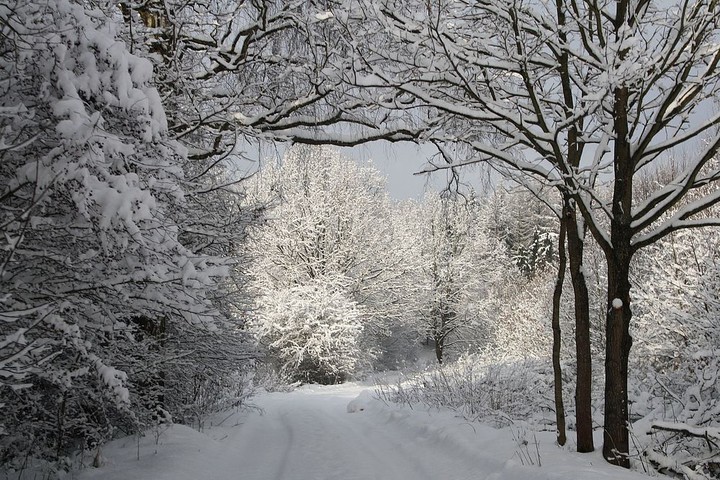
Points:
(91, 270)
(312, 331)
(677, 397)
(461, 269)
(326, 231)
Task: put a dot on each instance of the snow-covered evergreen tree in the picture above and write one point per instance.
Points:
(96, 287)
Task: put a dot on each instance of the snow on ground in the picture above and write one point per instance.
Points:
(343, 433)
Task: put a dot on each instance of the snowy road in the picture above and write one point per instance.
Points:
(309, 434)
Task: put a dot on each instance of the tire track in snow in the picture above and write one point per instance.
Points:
(400, 466)
(351, 451)
(288, 445)
(426, 460)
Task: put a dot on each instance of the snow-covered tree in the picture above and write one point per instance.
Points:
(526, 225)
(583, 97)
(234, 72)
(459, 264)
(326, 221)
(96, 286)
(312, 331)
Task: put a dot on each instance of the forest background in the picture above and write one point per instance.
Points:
(144, 280)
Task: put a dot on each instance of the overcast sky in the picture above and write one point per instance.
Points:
(398, 162)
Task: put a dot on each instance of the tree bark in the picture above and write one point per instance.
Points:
(616, 444)
(557, 369)
(439, 348)
(576, 247)
(583, 389)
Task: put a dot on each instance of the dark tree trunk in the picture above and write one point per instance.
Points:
(441, 332)
(575, 243)
(557, 369)
(439, 350)
(583, 390)
(616, 444)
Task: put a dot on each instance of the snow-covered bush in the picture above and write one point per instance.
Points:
(518, 312)
(311, 331)
(675, 398)
(678, 429)
(678, 308)
(497, 393)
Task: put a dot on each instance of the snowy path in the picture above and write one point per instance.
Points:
(308, 434)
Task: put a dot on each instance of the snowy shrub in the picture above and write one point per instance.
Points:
(203, 373)
(311, 332)
(499, 394)
(675, 398)
(678, 308)
(519, 312)
(679, 432)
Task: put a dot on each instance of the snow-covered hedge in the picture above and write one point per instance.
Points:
(679, 426)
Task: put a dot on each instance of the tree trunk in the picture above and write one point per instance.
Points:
(583, 390)
(616, 446)
(439, 344)
(616, 442)
(439, 334)
(557, 369)
(575, 243)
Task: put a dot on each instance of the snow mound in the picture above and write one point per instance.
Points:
(361, 402)
(174, 452)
